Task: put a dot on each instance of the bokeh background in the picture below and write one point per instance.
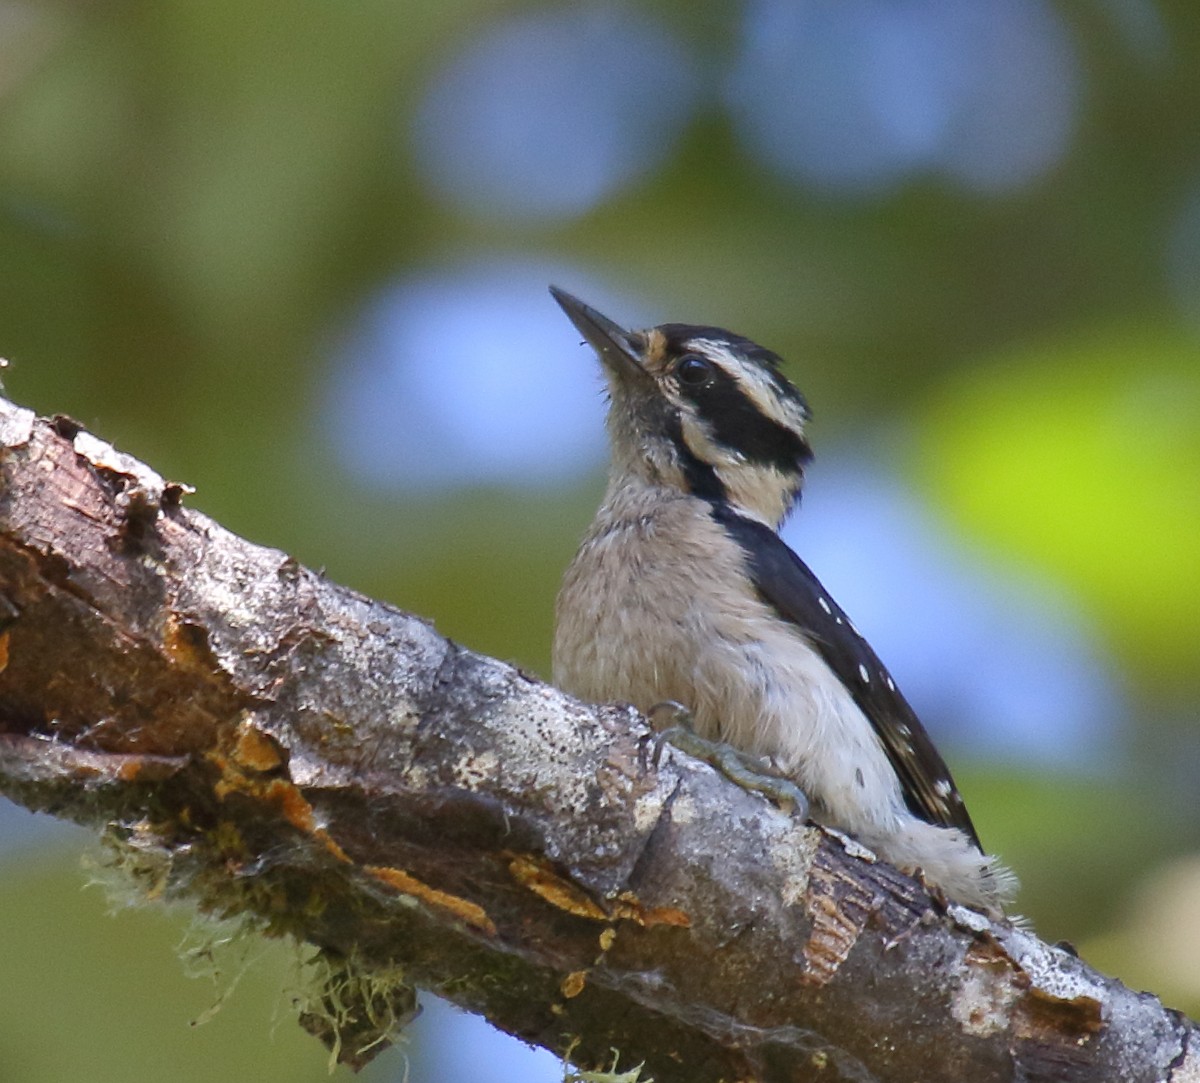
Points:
(296, 254)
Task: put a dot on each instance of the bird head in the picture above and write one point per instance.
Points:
(700, 409)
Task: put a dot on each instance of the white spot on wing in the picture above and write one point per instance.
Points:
(862, 672)
(825, 605)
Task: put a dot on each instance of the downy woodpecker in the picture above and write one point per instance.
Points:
(683, 591)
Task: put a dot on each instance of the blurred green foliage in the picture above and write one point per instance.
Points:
(1083, 455)
(95, 995)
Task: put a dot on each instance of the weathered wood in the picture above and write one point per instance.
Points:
(263, 742)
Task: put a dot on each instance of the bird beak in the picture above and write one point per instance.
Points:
(616, 347)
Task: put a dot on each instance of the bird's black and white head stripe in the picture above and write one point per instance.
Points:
(702, 409)
(735, 389)
(736, 422)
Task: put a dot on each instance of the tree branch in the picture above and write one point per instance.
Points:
(265, 743)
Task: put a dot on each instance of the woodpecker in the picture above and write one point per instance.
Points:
(682, 591)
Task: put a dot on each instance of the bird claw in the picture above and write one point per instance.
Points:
(669, 720)
(744, 770)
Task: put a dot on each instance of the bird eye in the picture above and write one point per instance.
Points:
(693, 370)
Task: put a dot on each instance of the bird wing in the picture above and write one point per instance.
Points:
(785, 582)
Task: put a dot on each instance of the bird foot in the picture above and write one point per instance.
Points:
(673, 724)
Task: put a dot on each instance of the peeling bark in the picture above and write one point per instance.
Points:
(262, 742)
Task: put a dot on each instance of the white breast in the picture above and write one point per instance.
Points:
(657, 606)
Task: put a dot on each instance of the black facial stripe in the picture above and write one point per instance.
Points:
(736, 422)
(701, 478)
